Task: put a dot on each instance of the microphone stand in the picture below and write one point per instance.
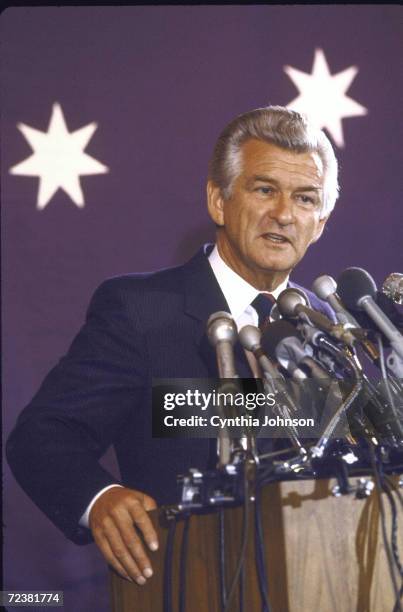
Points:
(318, 449)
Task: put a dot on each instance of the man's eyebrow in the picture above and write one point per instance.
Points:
(261, 178)
(264, 178)
(308, 188)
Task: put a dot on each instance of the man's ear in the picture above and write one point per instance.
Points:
(320, 228)
(215, 203)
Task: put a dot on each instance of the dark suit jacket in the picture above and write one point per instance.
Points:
(138, 326)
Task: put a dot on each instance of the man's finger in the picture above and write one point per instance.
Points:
(103, 544)
(124, 523)
(122, 554)
(143, 523)
(149, 503)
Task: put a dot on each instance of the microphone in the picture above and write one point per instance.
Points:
(275, 313)
(325, 288)
(379, 413)
(390, 309)
(250, 338)
(393, 287)
(273, 335)
(292, 304)
(358, 291)
(222, 334)
(281, 341)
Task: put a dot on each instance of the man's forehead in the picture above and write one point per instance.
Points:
(262, 157)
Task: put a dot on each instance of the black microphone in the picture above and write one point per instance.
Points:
(271, 338)
(280, 341)
(358, 291)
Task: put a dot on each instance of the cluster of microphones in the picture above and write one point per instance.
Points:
(365, 340)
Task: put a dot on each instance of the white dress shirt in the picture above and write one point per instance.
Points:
(239, 294)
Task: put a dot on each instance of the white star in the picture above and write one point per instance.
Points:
(58, 158)
(322, 96)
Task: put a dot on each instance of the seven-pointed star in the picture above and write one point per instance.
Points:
(322, 96)
(58, 158)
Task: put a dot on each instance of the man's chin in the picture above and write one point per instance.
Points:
(277, 265)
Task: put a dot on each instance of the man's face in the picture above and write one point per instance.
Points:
(273, 214)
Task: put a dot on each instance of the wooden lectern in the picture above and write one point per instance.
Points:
(323, 554)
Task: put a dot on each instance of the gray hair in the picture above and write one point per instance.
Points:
(279, 126)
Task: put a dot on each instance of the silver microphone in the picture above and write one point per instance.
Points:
(222, 334)
(291, 304)
(250, 338)
(325, 288)
(393, 287)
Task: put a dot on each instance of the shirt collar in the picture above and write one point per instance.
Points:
(237, 291)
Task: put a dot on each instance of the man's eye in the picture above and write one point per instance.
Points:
(306, 199)
(265, 190)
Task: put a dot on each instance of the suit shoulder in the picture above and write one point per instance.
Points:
(139, 282)
(140, 296)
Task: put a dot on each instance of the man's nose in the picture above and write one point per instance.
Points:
(282, 209)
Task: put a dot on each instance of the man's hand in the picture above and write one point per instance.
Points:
(113, 520)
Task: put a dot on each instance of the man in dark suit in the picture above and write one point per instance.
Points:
(272, 185)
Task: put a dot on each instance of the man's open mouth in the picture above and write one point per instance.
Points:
(275, 238)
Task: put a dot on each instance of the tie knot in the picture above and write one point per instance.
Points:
(263, 303)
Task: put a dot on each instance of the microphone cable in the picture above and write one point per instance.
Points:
(244, 542)
(395, 551)
(182, 564)
(378, 481)
(260, 553)
(221, 538)
(386, 380)
(395, 489)
(399, 496)
(167, 607)
(242, 589)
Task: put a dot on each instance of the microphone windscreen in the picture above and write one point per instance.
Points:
(289, 299)
(393, 287)
(324, 286)
(354, 284)
(274, 334)
(221, 326)
(249, 336)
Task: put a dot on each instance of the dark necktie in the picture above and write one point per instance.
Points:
(263, 303)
